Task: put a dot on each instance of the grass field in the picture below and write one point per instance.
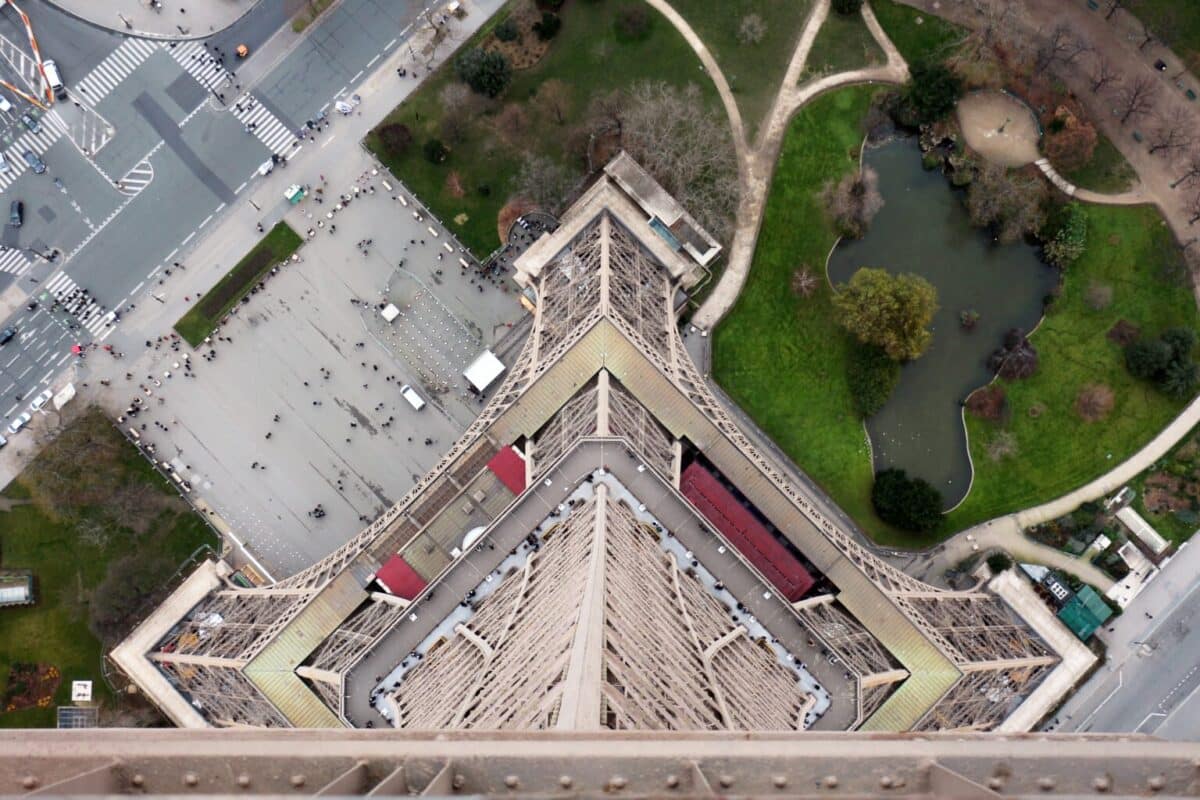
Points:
(468, 190)
(1127, 248)
(843, 43)
(754, 71)
(279, 243)
(1108, 171)
(782, 358)
(67, 565)
(1178, 23)
(931, 37)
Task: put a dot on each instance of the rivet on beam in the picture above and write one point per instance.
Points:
(191, 778)
(885, 782)
(1046, 783)
(672, 781)
(616, 782)
(565, 781)
(297, 780)
(512, 781)
(1101, 783)
(830, 781)
(138, 779)
(995, 783)
(726, 781)
(243, 780)
(29, 781)
(1156, 783)
(458, 781)
(779, 781)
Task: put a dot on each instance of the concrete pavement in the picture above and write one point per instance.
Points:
(171, 19)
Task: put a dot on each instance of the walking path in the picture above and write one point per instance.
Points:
(175, 19)
(1131, 198)
(757, 165)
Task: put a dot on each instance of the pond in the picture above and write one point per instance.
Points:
(923, 228)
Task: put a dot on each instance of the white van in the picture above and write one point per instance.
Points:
(4, 104)
(55, 79)
(414, 399)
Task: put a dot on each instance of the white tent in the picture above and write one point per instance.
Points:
(483, 371)
(390, 312)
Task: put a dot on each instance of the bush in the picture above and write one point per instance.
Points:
(847, 6)
(908, 503)
(633, 23)
(804, 282)
(435, 151)
(932, 91)
(548, 26)
(999, 562)
(872, 377)
(1166, 362)
(891, 311)
(1016, 358)
(485, 71)
(396, 138)
(1098, 296)
(1003, 445)
(507, 31)
(1069, 239)
(1094, 402)
(751, 29)
(988, 402)
(853, 202)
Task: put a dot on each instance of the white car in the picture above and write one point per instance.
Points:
(18, 423)
(41, 400)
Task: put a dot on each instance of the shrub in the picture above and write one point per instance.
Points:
(751, 29)
(1010, 203)
(395, 138)
(1003, 445)
(1094, 402)
(847, 6)
(1098, 296)
(908, 503)
(872, 377)
(507, 31)
(1070, 141)
(633, 23)
(853, 202)
(485, 71)
(1069, 239)
(1123, 333)
(988, 402)
(932, 91)
(1016, 358)
(548, 26)
(999, 562)
(1166, 362)
(891, 311)
(435, 151)
(804, 282)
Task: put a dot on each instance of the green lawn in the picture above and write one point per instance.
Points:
(1127, 248)
(782, 358)
(1183, 463)
(843, 43)
(1108, 171)
(67, 566)
(754, 71)
(587, 55)
(1175, 21)
(915, 33)
(279, 243)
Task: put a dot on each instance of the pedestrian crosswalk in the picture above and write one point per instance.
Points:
(14, 262)
(52, 130)
(200, 64)
(115, 68)
(78, 303)
(22, 64)
(258, 120)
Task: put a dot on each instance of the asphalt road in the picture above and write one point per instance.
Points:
(162, 158)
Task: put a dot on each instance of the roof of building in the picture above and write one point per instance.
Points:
(400, 579)
(509, 467)
(16, 588)
(483, 371)
(1084, 613)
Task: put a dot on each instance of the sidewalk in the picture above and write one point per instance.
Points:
(176, 19)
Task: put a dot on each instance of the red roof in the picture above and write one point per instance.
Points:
(743, 530)
(509, 467)
(400, 579)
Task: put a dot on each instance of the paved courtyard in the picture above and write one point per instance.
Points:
(296, 401)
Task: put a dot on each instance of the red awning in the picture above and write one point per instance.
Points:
(400, 579)
(509, 467)
(743, 530)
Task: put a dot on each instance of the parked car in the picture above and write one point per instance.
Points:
(4, 165)
(16, 213)
(41, 400)
(31, 123)
(35, 163)
(19, 422)
(7, 335)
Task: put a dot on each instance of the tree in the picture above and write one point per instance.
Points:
(751, 29)
(1094, 402)
(687, 146)
(988, 402)
(1147, 33)
(890, 311)
(554, 98)
(804, 282)
(1136, 97)
(396, 138)
(543, 181)
(1192, 207)
(1070, 239)
(847, 6)
(932, 91)
(485, 71)
(1147, 359)
(507, 30)
(1070, 141)
(1112, 7)
(1016, 358)
(1167, 362)
(435, 152)
(872, 376)
(1104, 72)
(1191, 170)
(511, 123)
(1098, 296)
(999, 562)
(1010, 203)
(853, 202)
(131, 582)
(548, 26)
(1172, 132)
(633, 22)
(1053, 48)
(911, 504)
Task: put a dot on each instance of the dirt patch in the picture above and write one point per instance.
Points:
(509, 213)
(1000, 128)
(1124, 332)
(454, 184)
(527, 49)
(31, 686)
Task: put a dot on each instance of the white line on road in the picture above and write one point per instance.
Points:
(171, 254)
(14, 359)
(135, 289)
(14, 408)
(189, 238)
(1147, 718)
(46, 377)
(373, 60)
(357, 75)
(327, 141)
(217, 210)
(207, 220)
(1120, 682)
(340, 92)
(26, 372)
(387, 46)
(105, 335)
(63, 359)
(239, 189)
(153, 272)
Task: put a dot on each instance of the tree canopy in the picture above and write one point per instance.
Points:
(485, 71)
(909, 503)
(932, 90)
(889, 311)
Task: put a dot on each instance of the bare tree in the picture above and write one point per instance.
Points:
(1053, 48)
(1192, 207)
(1147, 33)
(554, 98)
(544, 181)
(1172, 132)
(1075, 47)
(1136, 97)
(998, 23)
(752, 29)
(1104, 72)
(853, 202)
(606, 113)
(1113, 7)
(1191, 170)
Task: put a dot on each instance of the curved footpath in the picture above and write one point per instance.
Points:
(177, 19)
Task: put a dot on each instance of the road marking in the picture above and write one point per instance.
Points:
(388, 46)
(340, 91)
(239, 189)
(136, 288)
(171, 254)
(189, 238)
(207, 220)
(154, 271)
(61, 360)
(327, 141)
(46, 377)
(26, 372)
(322, 108)
(1120, 682)
(373, 60)
(14, 408)
(217, 210)
(14, 360)
(357, 75)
